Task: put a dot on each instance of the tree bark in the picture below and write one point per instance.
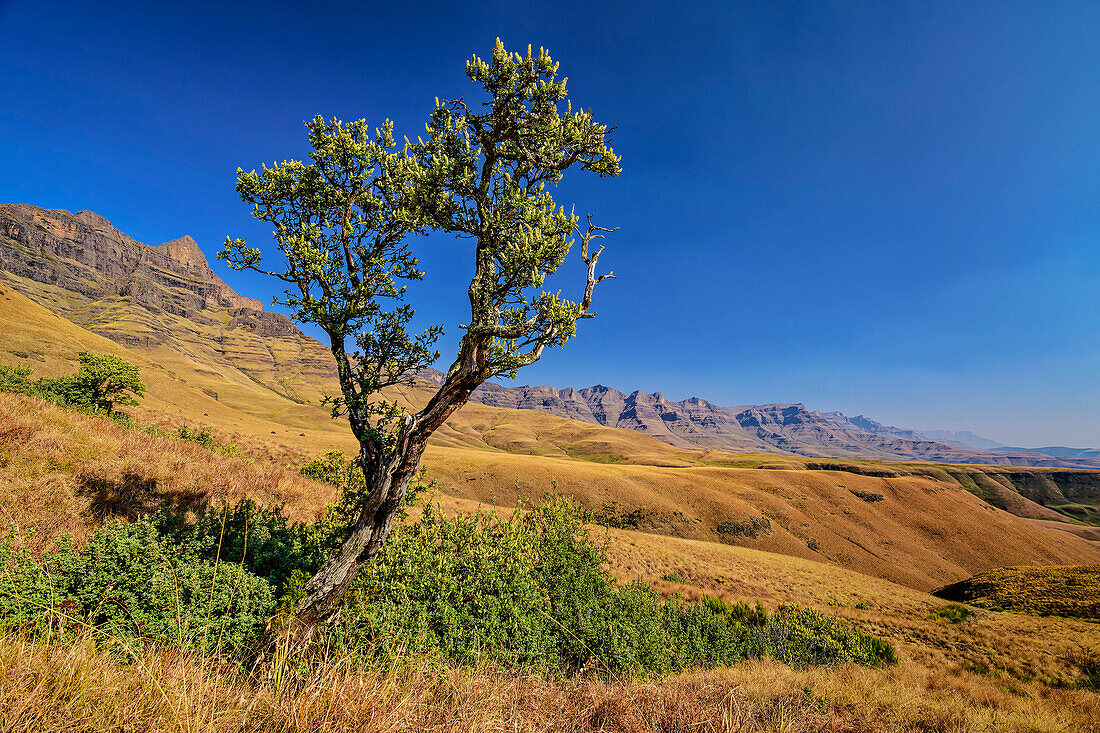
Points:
(388, 480)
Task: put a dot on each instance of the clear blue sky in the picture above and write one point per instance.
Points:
(882, 208)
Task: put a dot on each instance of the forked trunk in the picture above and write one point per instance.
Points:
(388, 484)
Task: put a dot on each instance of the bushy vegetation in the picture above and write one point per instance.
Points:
(530, 591)
(205, 438)
(130, 582)
(102, 382)
(619, 517)
(1070, 591)
(952, 613)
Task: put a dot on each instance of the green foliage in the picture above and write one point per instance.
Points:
(531, 591)
(15, 379)
(487, 173)
(340, 223)
(103, 381)
(675, 576)
(131, 583)
(206, 439)
(331, 468)
(952, 613)
(535, 591)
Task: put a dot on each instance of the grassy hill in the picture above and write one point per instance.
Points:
(64, 471)
(916, 524)
(1072, 592)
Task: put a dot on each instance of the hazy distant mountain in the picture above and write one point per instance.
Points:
(861, 424)
(965, 437)
(1060, 451)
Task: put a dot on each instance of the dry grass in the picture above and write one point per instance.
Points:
(1072, 591)
(64, 472)
(74, 686)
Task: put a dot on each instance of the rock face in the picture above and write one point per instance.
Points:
(82, 267)
(167, 297)
(782, 428)
(84, 254)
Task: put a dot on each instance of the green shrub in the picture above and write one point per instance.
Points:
(952, 613)
(531, 591)
(129, 582)
(15, 379)
(103, 381)
(206, 439)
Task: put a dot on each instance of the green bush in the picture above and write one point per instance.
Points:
(532, 591)
(15, 379)
(130, 583)
(103, 381)
(952, 613)
(206, 439)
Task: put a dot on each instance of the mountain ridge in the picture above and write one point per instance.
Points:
(167, 297)
(788, 428)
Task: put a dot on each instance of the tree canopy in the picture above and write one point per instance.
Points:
(484, 170)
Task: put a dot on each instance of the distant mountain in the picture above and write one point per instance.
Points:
(963, 437)
(1059, 451)
(775, 428)
(163, 298)
(166, 299)
(861, 424)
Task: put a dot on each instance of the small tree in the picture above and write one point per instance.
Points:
(103, 381)
(341, 221)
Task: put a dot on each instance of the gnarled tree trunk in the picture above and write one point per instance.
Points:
(387, 481)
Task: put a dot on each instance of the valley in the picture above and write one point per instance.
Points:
(215, 359)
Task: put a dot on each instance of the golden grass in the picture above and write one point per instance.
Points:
(64, 687)
(64, 472)
(1072, 591)
(925, 533)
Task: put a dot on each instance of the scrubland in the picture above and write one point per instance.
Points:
(64, 472)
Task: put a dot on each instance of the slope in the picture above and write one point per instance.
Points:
(927, 529)
(65, 472)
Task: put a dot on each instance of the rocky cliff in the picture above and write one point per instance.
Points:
(163, 297)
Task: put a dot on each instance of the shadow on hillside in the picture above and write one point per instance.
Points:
(131, 496)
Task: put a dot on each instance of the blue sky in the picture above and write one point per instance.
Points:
(883, 208)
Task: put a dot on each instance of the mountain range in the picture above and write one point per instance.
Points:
(167, 299)
(792, 481)
(773, 428)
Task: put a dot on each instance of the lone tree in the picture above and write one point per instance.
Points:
(103, 381)
(341, 222)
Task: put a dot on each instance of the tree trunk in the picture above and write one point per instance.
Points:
(388, 483)
(388, 480)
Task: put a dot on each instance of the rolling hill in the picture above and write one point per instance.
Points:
(166, 301)
(917, 524)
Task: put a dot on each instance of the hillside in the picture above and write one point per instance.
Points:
(1071, 592)
(167, 303)
(929, 528)
(66, 472)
